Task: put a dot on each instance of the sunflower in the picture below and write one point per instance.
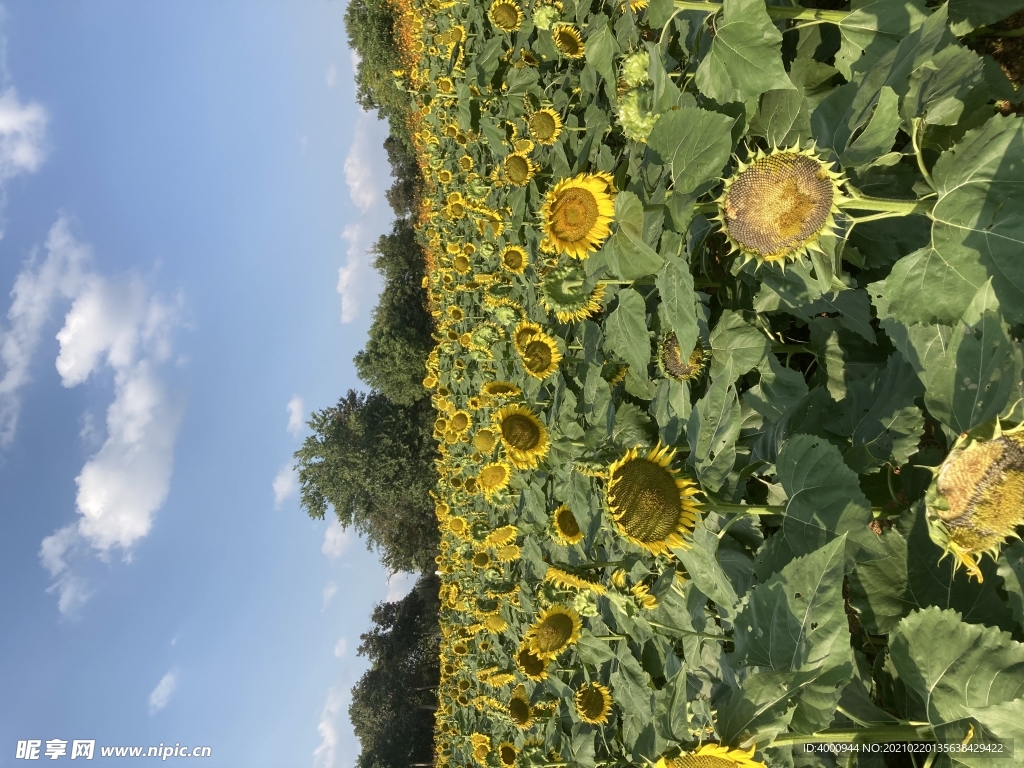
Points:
(540, 355)
(519, 710)
(545, 125)
(445, 85)
(778, 206)
(523, 333)
(577, 213)
(481, 559)
(635, 5)
(507, 753)
(568, 41)
(461, 264)
(514, 259)
(566, 580)
(593, 703)
(975, 499)
(466, 163)
(494, 623)
(518, 169)
(531, 665)
(499, 390)
(508, 553)
(713, 756)
(444, 176)
(525, 438)
(505, 15)
(556, 629)
(562, 293)
(502, 536)
(566, 530)
(459, 526)
(460, 421)
(671, 363)
(644, 597)
(493, 478)
(651, 503)
(484, 440)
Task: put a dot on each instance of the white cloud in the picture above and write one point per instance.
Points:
(330, 590)
(363, 164)
(323, 755)
(285, 485)
(161, 695)
(336, 540)
(331, 76)
(296, 411)
(340, 647)
(22, 134)
(348, 283)
(71, 590)
(36, 289)
(354, 59)
(399, 585)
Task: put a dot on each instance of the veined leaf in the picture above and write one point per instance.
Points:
(675, 286)
(736, 345)
(695, 143)
(760, 707)
(600, 48)
(628, 256)
(874, 28)
(968, 15)
(626, 333)
(711, 432)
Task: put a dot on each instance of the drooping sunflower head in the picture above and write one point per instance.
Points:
(651, 503)
(556, 629)
(673, 365)
(499, 390)
(568, 41)
(540, 355)
(505, 15)
(519, 169)
(493, 478)
(577, 213)
(514, 259)
(564, 526)
(593, 703)
(519, 710)
(713, 756)
(507, 753)
(778, 206)
(524, 437)
(545, 126)
(563, 293)
(976, 499)
(531, 665)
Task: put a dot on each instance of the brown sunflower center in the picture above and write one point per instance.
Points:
(508, 754)
(778, 203)
(542, 126)
(520, 432)
(532, 664)
(646, 500)
(461, 263)
(513, 259)
(702, 761)
(481, 559)
(567, 42)
(566, 522)
(505, 15)
(519, 711)
(591, 701)
(574, 214)
(517, 168)
(673, 361)
(444, 85)
(554, 633)
(459, 421)
(537, 356)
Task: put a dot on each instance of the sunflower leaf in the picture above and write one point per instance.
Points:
(675, 286)
(1011, 570)
(628, 256)
(736, 345)
(601, 47)
(695, 143)
(761, 707)
(626, 334)
(711, 433)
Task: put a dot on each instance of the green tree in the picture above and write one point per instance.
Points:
(371, 460)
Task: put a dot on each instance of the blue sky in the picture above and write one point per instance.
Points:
(187, 193)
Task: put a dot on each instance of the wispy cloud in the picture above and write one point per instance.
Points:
(363, 163)
(348, 275)
(285, 485)
(161, 695)
(340, 647)
(331, 76)
(330, 590)
(399, 585)
(116, 324)
(336, 540)
(296, 411)
(325, 754)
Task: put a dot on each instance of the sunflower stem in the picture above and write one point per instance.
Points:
(791, 348)
(690, 632)
(885, 205)
(909, 731)
(609, 638)
(914, 131)
(776, 12)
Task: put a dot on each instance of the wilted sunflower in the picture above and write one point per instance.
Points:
(779, 205)
(545, 125)
(531, 665)
(671, 362)
(556, 629)
(577, 213)
(713, 756)
(566, 529)
(651, 503)
(568, 41)
(519, 169)
(540, 355)
(593, 703)
(562, 293)
(514, 259)
(505, 15)
(519, 710)
(493, 478)
(524, 437)
(976, 499)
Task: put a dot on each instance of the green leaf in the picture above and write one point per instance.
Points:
(825, 501)
(675, 286)
(792, 621)
(846, 357)
(877, 138)
(977, 231)
(711, 433)
(878, 587)
(875, 28)
(600, 48)
(761, 707)
(971, 381)
(628, 256)
(778, 390)
(745, 59)
(1011, 570)
(695, 143)
(702, 565)
(968, 15)
(592, 651)
(736, 346)
(969, 668)
(626, 333)
(938, 92)
(777, 116)
(880, 418)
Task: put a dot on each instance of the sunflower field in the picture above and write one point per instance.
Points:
(728, 301)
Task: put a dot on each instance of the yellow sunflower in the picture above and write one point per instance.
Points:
(518, 169)
(460, 421)
(566, 580)
(577, 213)
(545, 125)
(524, 437)
(519, 710)
(531, 665)
(505, 15)
(507, 753)
(713, 756)
(566, 530)
(484, 440)
(593, 703)
(514, 259)
(540, 354)
(493, 478)
(499, 390)
(556, 629)
(568, 41)
(562, 293)
(778, 206)
(651, 503)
